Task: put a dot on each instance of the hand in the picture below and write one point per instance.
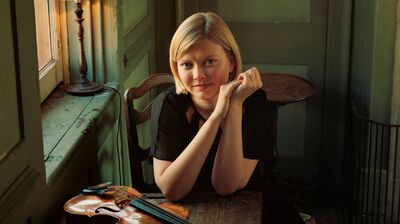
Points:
(251, 81)
(224, 97)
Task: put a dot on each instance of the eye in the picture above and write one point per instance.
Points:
(185, 65)
(210, 61)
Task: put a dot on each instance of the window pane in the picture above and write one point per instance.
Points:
(43, 33)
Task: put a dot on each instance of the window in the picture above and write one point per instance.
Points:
(48, 36)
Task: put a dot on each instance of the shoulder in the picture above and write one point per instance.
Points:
(168, 104)
(167, 124)
(168, 98)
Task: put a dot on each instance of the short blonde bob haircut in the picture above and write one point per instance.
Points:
(196, 27)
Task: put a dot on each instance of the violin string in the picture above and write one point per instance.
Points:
(160, 209)
(146, 201)
(123, 193)
(171, 215)
(158, 206)
(158, 213)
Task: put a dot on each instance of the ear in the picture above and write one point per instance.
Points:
(232, 63)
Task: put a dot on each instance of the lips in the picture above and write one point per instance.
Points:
(202, 86)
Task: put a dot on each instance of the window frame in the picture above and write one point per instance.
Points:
(56, 70)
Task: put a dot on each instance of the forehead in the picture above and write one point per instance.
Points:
(203, 48)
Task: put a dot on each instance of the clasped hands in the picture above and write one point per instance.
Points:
(236, 91)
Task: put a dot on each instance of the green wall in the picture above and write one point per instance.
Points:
(372, 57)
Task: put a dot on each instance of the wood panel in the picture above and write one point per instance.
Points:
(284, 11)
(138, 41)
(396, 74)
(134, 12)
(141, 70)
(55, 126)
(138, 50)
(9, 100)
(18, 192)
(22, 171)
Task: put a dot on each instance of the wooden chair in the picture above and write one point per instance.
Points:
(134, 118)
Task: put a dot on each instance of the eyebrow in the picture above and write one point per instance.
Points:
(207, 57)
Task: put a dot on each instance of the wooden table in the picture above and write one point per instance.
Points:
(241, 207)
(285, 88)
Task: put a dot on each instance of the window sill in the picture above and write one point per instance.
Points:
(66, 121)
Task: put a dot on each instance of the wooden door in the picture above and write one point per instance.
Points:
(287, 36)
(22, 176)
(137, 45)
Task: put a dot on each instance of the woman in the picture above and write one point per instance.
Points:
(212, 130)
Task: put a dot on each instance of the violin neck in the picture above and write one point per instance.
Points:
(155, 210)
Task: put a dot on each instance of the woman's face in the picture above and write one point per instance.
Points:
(204, 68)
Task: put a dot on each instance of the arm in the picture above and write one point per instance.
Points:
(231, 170)
(176, 179)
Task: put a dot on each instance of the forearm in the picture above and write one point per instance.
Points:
(228, 170)
(179, 177)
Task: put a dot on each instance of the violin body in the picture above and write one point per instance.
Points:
(86, 208)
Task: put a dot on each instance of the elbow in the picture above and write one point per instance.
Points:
(224, 192)
(172, 191)
(172, 194)
(226, 189)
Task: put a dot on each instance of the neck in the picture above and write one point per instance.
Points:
(204, 107)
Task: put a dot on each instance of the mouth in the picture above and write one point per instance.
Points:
(202, 86)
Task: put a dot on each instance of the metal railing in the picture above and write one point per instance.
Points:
(373, 171)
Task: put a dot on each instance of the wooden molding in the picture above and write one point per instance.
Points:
(17, 192)
(396, 71)
(136, 47)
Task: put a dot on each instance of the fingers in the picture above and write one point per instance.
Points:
(251, 78)
(227, 89)
(232, 85)
(258, 77)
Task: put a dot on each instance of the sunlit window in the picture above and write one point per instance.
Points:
(43, 37)
(48, 47)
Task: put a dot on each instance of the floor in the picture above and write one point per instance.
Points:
(321, 201)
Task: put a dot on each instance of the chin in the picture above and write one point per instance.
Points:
(205, 96)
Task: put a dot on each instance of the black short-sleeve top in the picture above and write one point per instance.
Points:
(172, 132)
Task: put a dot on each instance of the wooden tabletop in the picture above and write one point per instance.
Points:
(285, 88)
(241, 207)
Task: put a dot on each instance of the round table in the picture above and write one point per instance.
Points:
(285, 88)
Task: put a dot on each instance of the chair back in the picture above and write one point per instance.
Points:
(134, 117)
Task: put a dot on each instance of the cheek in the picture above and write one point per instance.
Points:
(185, 77)
(222, 74)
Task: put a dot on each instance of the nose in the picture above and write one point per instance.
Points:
(199, 73)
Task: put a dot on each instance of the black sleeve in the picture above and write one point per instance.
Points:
(167, 126)
(259, 120)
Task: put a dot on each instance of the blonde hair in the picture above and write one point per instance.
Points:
(198, 26)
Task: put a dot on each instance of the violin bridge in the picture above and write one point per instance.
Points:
(121, 196)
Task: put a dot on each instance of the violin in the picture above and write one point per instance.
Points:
(123, 205)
